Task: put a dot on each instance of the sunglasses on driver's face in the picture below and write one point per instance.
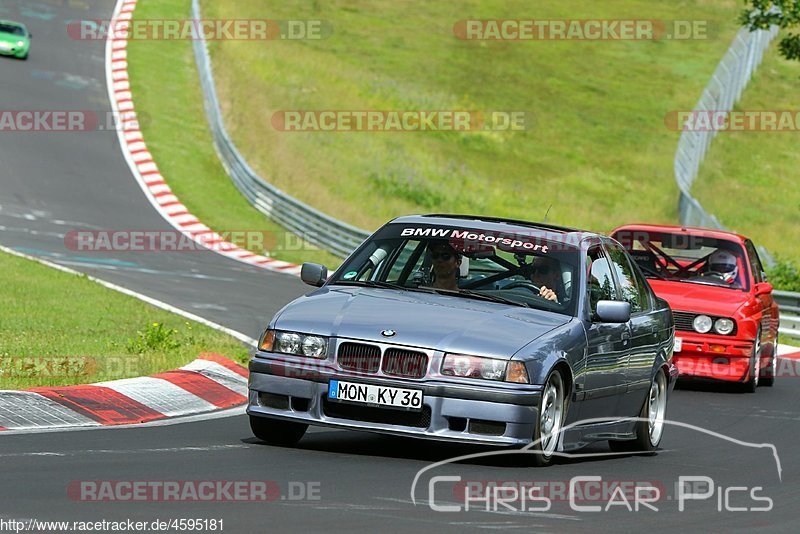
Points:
(444, 256)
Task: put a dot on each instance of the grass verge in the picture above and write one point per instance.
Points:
(597, 150)
(61, 329)
(166, 90)
(751, 180)
(596, 154)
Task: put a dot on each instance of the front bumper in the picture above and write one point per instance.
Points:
(451, 412)
(17, 51)
(714, 357)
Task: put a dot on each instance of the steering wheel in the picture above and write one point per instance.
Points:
(530, 287)
(526, 285)
(715, 274)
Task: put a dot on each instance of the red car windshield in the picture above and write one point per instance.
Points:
(683, 257)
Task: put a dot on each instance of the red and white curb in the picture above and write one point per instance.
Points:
(145, 170)
(207, 384)
(788, 352)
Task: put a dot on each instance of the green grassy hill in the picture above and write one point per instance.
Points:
(597, 150)
(751, 180)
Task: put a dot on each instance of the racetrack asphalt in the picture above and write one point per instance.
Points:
(51, 183)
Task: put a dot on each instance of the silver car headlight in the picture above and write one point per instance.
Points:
(20, 43)
(466, 366)
(724, 326)
(702, 324)
(295, 343)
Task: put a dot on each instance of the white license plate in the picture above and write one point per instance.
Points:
(410, 399)
(678, 344)
(4, 46)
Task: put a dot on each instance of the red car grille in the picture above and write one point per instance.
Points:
(359, 357)
(684, 320)
(406, 363)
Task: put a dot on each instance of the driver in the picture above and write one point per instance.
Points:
(446, 263)
(723, 262)
(545, 273)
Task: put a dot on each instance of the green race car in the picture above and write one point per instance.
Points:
(15, 39)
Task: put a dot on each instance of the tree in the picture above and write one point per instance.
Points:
(762, 14)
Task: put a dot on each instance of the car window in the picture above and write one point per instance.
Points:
(629, 287)
(10, 28)
(600, 281)
(755, 262)
(687, 257)
(403, 259)
(488, 265)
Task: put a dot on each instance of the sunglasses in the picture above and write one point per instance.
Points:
(441, 256)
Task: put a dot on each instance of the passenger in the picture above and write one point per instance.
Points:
(545, 273)
(446, 263)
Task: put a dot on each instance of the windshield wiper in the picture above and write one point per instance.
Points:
(468, 293)
(369, 283)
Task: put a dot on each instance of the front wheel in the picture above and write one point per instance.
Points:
(277, 432)
(650, 424)
(755, 366)
(768, 373)
(550, 421)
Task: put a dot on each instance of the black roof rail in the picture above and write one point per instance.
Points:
(543, 226)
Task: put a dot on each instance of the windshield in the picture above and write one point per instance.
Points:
(687, 258)
(505, 267)
(12, 29)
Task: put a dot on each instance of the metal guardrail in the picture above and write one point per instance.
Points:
(723, 91)
(312, 225)
(789, 304)
(729, 80)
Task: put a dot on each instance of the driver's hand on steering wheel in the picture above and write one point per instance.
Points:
(548, 294)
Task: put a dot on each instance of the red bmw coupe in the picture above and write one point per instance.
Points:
(726, 321)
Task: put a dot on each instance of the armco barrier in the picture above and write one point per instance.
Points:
(723, 91)
(789, 304)
(312, 225)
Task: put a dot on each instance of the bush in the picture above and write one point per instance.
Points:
(785, 275)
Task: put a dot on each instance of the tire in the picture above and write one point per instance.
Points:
(768, 374)
(755, 366)
(650, 424)
(550, 420)
(277, 432)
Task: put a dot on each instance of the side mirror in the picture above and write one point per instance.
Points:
(764, 288)
(613, 311)
(313, 274)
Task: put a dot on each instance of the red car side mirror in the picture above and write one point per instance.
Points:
(764, 288)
